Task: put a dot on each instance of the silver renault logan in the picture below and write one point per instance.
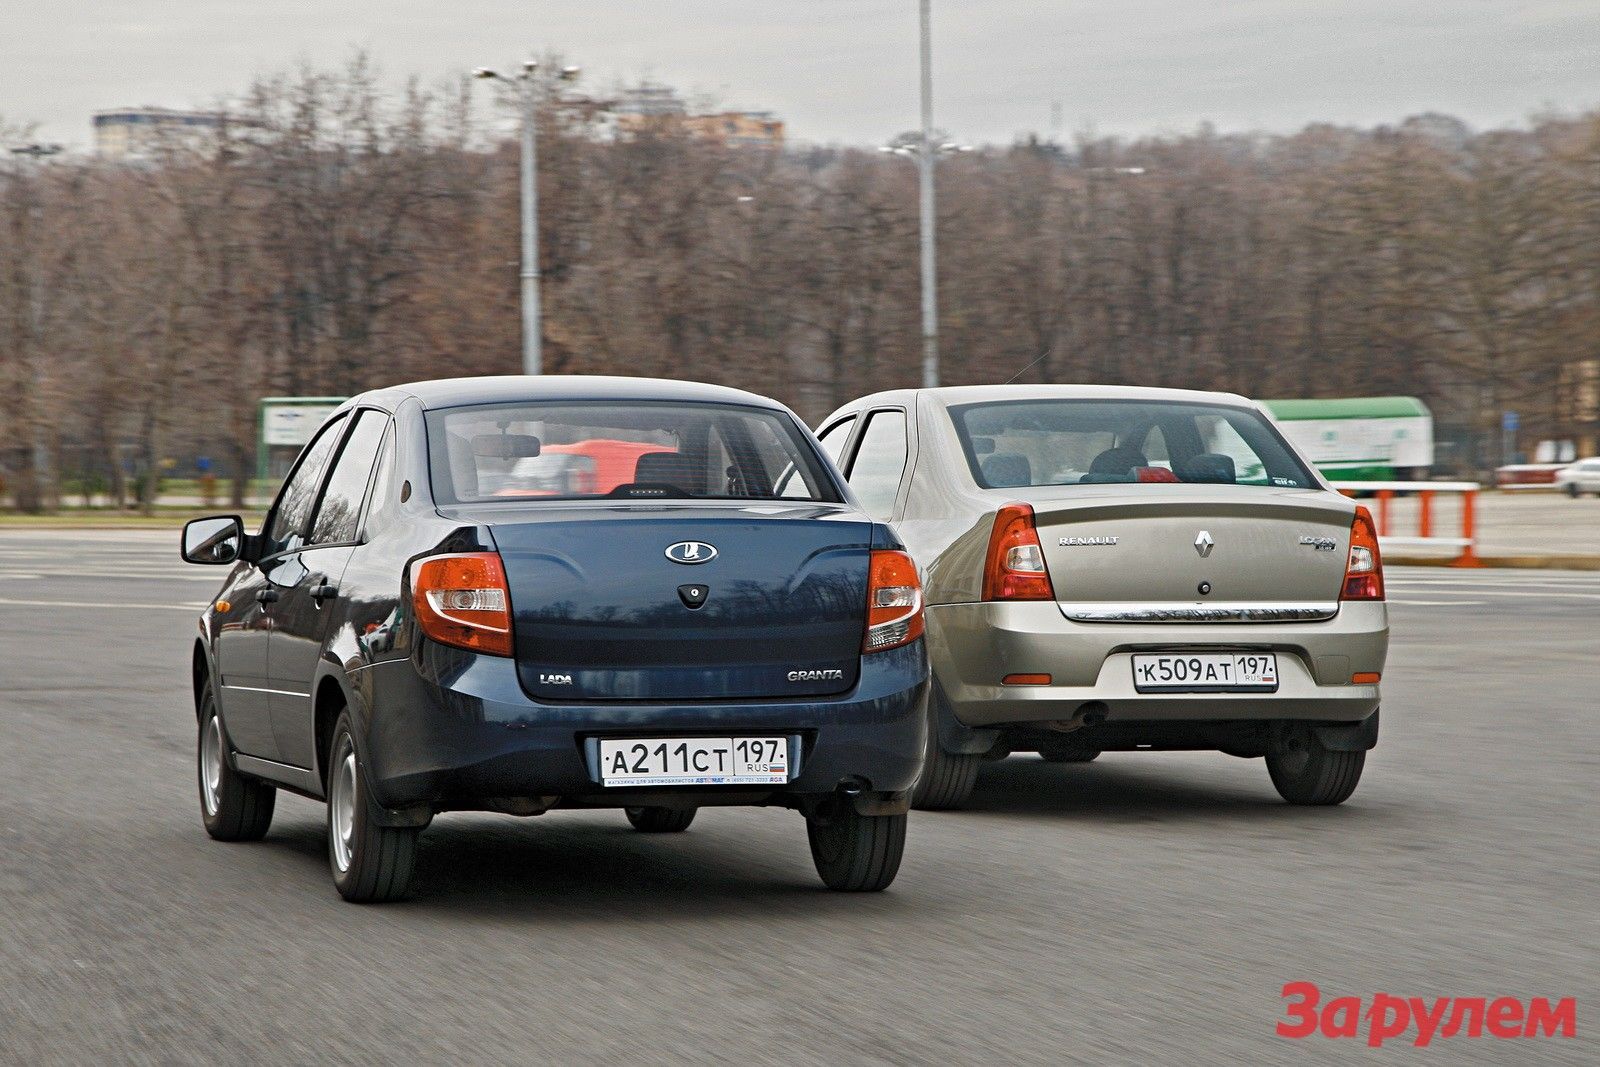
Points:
(1120, 568)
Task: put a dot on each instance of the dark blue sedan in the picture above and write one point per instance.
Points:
(520, 594)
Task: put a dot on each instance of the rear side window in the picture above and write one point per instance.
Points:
(385, 499)
(1087, 442)
(834, 437)
(641, 449)
(879, 462)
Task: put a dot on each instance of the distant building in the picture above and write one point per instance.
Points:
(738, 129)
(647, 107)
(144, 132)
(654, 107)
(650, 99)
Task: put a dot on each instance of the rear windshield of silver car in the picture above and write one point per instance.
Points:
(1011, 444)
(645, 450)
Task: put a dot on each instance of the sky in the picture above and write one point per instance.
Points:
(846, 70)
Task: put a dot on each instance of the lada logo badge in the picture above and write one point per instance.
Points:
(691, 552)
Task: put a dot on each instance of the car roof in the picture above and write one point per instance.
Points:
(968, 394)
(494, 389)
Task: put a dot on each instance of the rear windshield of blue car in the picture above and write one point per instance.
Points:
(1018, 443)
(566, 450)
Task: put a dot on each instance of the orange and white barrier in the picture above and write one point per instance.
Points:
(1384, 493)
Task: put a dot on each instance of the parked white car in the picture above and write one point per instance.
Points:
(1580, 477)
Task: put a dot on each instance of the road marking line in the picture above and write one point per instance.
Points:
(99, 604)
(129, 576)
(1502, 583)
(1536, 595)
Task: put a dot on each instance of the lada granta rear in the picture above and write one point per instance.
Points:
(519, 595)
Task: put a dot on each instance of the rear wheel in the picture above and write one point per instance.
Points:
(371, 863)
(947, 777)
(1307, 772)
(660, 820)
(1573, 491)
(856, 853)
(233, 807)
(947, 780)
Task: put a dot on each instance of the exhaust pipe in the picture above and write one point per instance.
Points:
(1089, 713)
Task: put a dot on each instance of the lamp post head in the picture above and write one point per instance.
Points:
(570, 73)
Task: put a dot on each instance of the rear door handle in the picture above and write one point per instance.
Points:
(322, 592)
(266, 596)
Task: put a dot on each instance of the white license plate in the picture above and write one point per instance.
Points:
(695, 761)
(1206, 672)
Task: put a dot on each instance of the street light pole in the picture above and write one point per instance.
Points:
(35, 483)
(930, 287)
(532, 313)
(527, 87)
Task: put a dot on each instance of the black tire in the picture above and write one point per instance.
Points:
(232, 806)
(856, 853)
(1572, 490)
(1306, 772)
(660, 820)
(370, 863)
(947, 777)
(1066, 754)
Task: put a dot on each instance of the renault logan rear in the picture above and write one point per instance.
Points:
(1113, 568)
(520, 594)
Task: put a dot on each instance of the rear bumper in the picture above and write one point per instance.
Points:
(454, 729)
(973, 646)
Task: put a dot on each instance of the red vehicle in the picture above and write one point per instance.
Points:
(594, 466)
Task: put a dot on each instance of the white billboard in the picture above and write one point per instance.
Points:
(291, 422)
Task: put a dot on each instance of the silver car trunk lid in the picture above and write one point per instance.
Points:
(1183, 553)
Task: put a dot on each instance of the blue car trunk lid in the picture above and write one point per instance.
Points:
(758, 601)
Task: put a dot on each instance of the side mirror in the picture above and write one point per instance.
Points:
(216, 540)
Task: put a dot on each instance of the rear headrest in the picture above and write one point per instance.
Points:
(1006, 469)
(463, 467)
(1210, 467)
(1118, 461)
(670, 468)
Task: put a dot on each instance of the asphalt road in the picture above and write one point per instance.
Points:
(1145, 908)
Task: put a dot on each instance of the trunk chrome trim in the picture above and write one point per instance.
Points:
(1181, 613)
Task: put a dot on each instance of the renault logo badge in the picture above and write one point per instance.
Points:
(691, 552)
(1203, 544)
